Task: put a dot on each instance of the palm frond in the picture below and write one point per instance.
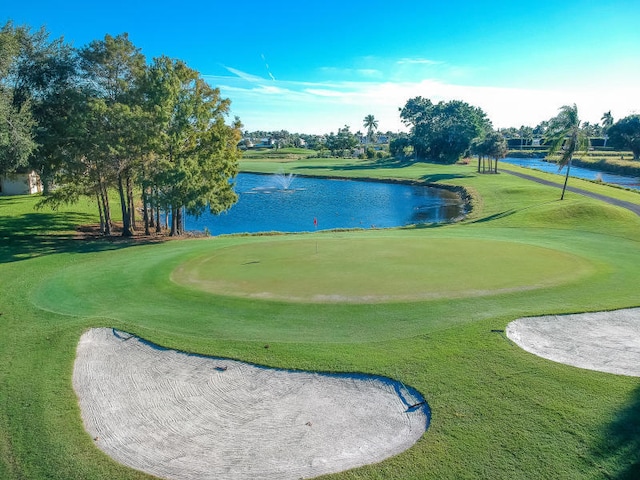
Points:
(565, 136)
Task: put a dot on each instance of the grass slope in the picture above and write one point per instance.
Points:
(498, 412)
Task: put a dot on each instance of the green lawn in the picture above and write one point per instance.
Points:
(349, 268)
(498, 412)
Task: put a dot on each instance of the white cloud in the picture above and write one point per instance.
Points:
(245, 76)
(308, 107)
(323, 92)
(418, 61)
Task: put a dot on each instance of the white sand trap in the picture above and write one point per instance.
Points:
(181, 416)
(603, 341)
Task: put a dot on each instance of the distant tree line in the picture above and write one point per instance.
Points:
(625, 134)
(621, 135)
(337, 143)
(446, 131)
(101, 117)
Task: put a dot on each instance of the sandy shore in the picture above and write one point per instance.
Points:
(181, 416)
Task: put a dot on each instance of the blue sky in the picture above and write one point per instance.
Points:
(313, 67)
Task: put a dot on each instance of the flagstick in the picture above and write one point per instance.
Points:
(315, 225)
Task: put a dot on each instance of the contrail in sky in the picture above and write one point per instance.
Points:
(267, 66)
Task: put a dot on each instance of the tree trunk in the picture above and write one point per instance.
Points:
(158, 224)
(152, 218)
(100, 212)
(174, 222)
(145, 210)
(131, 202)
(566, 179)
(496, 165)
(126, 216)
(46, 178)
(104, 197)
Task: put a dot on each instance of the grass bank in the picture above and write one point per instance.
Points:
(498, 412)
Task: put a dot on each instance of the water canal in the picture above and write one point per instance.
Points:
(577, 172)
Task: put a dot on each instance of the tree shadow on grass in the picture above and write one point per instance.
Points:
(441, 177)
(37, 234)
(387, 163)
(382, 163)
(508, 213)
(620, 444)
(495, 216)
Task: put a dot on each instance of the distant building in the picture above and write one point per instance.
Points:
(26, 183)
(245, 143)
(378, 139)
(266, 143)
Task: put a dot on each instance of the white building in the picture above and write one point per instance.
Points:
(20, 183)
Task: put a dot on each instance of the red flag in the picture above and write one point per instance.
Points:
(315, 222)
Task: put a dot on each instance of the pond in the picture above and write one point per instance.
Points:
(282, 203)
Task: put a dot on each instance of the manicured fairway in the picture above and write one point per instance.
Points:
(498, 412)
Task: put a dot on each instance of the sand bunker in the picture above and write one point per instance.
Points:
(181, 416)
(603, 341)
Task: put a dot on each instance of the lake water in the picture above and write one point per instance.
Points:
(322, 204)
(578, 172)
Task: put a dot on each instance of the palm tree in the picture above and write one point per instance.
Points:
(371, 124)
(496, 148)
(566, 138)
(493, 146)
(607, 122)
(607, 119)
(526, 134)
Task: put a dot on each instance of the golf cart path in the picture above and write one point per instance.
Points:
(635, 208)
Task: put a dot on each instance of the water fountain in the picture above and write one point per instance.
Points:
(284, 180)
(279, 182)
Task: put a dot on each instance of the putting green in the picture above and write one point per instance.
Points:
(211, 285)
(374, 270)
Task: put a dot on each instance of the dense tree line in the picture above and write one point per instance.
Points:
(101, 117)
(16, 120)
(625, 134)
(443, 132)
(446, 131)
(341, 144)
